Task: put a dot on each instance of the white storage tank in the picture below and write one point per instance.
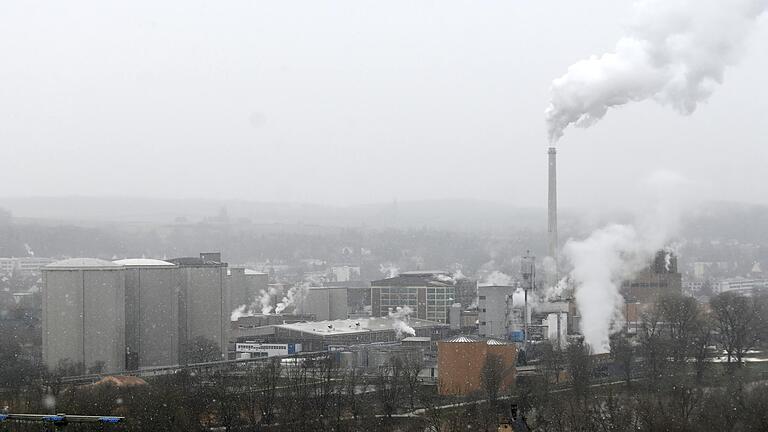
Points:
(84, 314)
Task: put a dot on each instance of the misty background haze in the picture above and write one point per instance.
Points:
(359, 103)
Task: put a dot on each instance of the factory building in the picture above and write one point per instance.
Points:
(84, 314)
(151, 313)
(320, 335)
(245, 286)
(493, 306)
(660, 277)
(358, 297)
(255, 283)
(237, 288)
(326, 303)
(204, 307)
(460, 363)
(429, 294)
(374, 357)
(466, 291)
(261, 350)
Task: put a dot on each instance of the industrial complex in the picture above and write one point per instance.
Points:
(142, 314)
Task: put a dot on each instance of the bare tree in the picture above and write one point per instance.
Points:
(492, 377)
(551, 364)
(261, 393)
(389, 386)
(623, 354)
(580, 368)
(682, 316)
(201, 350)
(740, 321)
(411, 370)
(653, 347)
(701, 346)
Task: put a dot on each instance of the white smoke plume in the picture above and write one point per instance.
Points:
(497, 278)
(518, 298)
(615, 253)
(557, 292)
(239, 312)
(262, 304)
(400, 322)
(600, 263)
(675, 52)
(30, 252)
(389, 270)
(294, 297)
(265, 299)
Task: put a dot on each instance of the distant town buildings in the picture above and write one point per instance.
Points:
(23, 264)
(344, 273)
(744, 286)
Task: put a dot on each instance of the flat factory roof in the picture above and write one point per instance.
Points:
(351, 326)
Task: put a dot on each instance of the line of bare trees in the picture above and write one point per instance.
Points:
(683, 369)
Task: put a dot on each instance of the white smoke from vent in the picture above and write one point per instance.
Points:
(675, 52)
(239, 312)
(497, 278)
(262, 304)
(389, 270)
(400, 319)
(600, 263)
(30, 252)
(616, 253)
(293, 298)
(265, 299)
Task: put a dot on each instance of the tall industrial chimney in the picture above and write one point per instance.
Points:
(552, 213)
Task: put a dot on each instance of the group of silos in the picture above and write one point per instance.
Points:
(129, 314)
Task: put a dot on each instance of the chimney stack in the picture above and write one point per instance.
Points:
(552, 213)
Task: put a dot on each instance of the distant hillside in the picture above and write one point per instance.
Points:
(747, 223)
(442, 214)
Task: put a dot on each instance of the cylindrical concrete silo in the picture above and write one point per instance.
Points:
(84, 314)
(151, 313)
(203, 304)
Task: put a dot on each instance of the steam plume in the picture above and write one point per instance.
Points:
(265, 300)
(497, 278)
(294, 297)
(616, 253)
(263, 303)
(389, 270)
(400, 322)
(239, 312)
(675, 52)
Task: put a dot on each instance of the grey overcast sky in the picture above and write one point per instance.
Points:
(345, 102)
